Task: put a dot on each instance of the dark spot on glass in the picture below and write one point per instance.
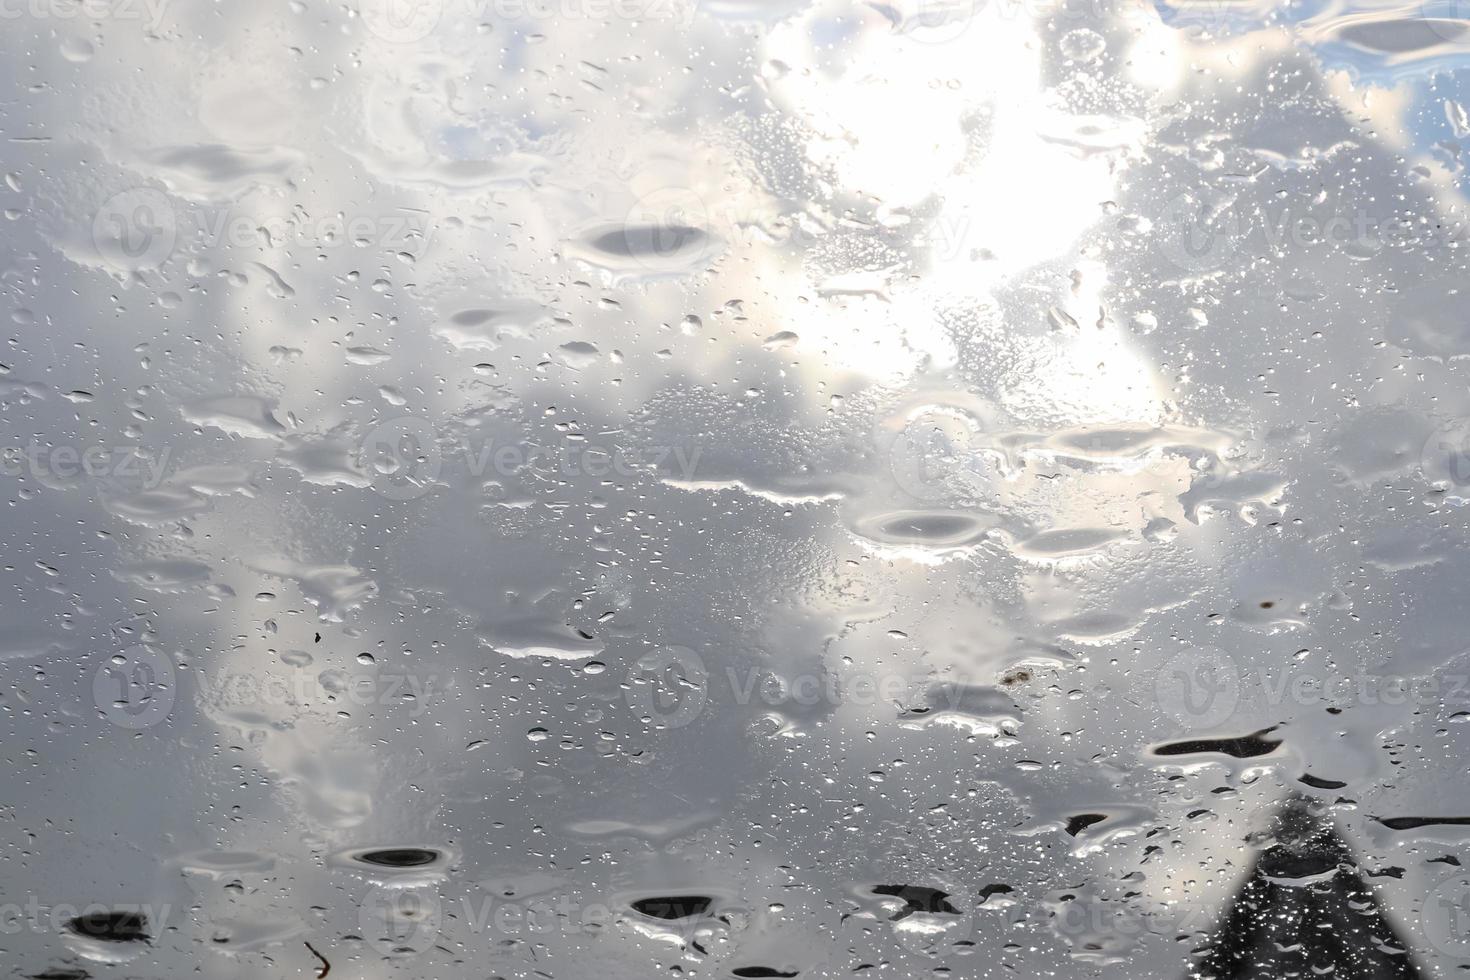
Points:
(399, 857)
(995, 889)
(1241, 747)
(1079, 823)
(113, 926)
(925, 526)
(1414, 823)
(637, 240)
(1402, 35)
(917, 898)
(671, 907)
(762, 971)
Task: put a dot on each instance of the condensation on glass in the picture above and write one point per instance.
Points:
(707, 488)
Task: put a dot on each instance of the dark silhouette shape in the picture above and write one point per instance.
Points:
(111, 926)
(673, 907)
(1239, 747)
(917, 898)
(1306, 911)
(1077, 824)
(1414, 823)
(326, 967)
(994, 889)
(399, 857)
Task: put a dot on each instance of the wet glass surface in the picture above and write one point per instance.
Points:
(706, 488)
